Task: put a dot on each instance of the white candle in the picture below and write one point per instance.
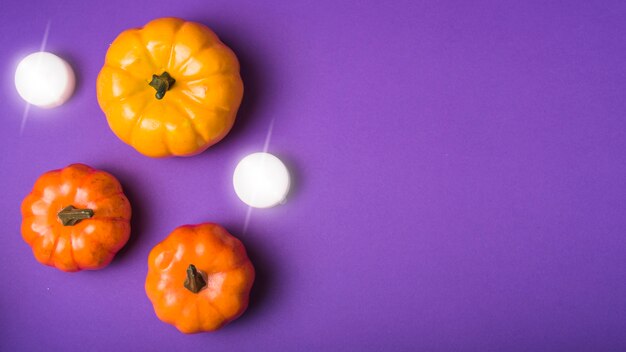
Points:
(261, 180)
(44, 79)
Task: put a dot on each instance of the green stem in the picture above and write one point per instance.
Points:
(194, 281)
(71, 216)
(162, 83)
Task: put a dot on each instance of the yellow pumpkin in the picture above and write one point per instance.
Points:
(171, 88)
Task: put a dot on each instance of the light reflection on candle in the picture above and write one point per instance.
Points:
(42, 47)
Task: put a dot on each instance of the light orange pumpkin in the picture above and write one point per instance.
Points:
(171, 88)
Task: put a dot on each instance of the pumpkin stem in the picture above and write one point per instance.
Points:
(162, 83)
(71, 216)
(194, 281)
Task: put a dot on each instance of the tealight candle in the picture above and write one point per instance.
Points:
(261, 180)
(44, 79)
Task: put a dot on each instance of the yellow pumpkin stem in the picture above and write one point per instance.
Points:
(162, 83)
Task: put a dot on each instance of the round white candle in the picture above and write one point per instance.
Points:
(44, 79)
(261, 180)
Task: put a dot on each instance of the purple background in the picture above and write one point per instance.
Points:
(460, 177)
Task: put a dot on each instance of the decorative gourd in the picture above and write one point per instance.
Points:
(171, 88)
(199, 278)
(76, 218)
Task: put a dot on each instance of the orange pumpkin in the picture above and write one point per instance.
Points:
(171, 88)
(76, 218)
(199, 278)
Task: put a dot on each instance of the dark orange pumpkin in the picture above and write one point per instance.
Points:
(199, 278)
(76, 218)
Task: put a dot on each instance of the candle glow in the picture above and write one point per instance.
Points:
(44, 79)
(261, 180)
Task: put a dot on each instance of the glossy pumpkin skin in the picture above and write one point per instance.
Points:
(225, 268)
(92, 242)
(196, 112)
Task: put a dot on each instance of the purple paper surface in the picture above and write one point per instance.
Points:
(459, 177)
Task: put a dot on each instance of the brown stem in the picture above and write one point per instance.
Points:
(194, 281)
(162, 83)
(71, 216)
